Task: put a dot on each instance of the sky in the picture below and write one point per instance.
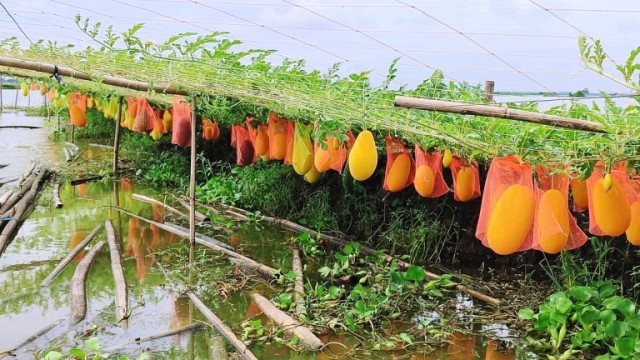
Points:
(522, 45)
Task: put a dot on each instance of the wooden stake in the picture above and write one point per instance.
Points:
(298, 293)
(67, 259)
(69, 72)
(116, 140)
(192, 176)
(73, 131)
(497, 112)
(488, 90)
(280, 318)
(77, 295)
(122, 303)
(242, 349)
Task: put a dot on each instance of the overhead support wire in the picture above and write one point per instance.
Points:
(16, 22)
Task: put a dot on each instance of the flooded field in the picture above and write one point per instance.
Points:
(148, 252)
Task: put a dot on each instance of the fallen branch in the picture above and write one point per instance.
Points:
(266, 271)
(243, 215)
(85, 180)
(199, 216)
(21, 210)
(18, 194)
(31, 338)
(67, 259)
(242, 349)
(307, 338)
(56, 195)
(102, 146)
(159, 203)
(122, 305)
(298, 294)
(78, 295)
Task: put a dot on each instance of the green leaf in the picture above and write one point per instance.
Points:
(625, 346)
(92, 344)
(583, 293)
(77, 352)
(526, 314)
(607, 316)
(563, 305)
(626, 307)
(406, 338)
(396, 277)
(53, 355)
(415, 273)
(588, 315)
(616, 329)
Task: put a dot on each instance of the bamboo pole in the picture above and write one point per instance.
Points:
(5, 197)
(20, 127)
(73, 131)
(298, 293)
(116, 140)
(67, 259)
(108, 147)
(159, 203)
(267, 271)
(364, 249)
(190, 327)
(31, 338)
(77, 295)
(192, 176)
(67, 154)
(280, 318)
(199, 216)
(56, 195)
(497, 112)
(105, 79)
(242, 349)
(200, 235)
(83, 180)
(122, 304)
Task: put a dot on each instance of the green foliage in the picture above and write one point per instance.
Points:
(589, 318)
(308, 244)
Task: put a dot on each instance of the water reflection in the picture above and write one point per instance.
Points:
(461, 346)
(495, 353)
(76, 238)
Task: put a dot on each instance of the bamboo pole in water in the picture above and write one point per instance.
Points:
(192, 177)
(199, 216)
(78, 295)
(5, 197)
(497, 112)
(30, 339)
(223, 329)
(122, 304)
(159, 203)
(116, 140)
(67, 259)
(56, 195)
(280, 318)
(298, 293)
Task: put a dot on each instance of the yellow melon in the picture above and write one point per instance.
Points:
(553, 222)
(424, 181)
(611, 208)
(399, 173)
(511, 219)
(465, 184)
(363, 157)
(633, 231)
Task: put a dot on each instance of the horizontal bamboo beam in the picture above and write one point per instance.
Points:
(497, 112)
(105, 79)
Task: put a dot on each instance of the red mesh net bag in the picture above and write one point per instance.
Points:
(579, 195)
(428, 180)
(251, 126)
(277, 137)
(181, 122)
(210, 130)
(77, 109)
(289, 127)
(633, 231)
(401, 168)
(145, 117)
(241, 141)
(330, 157)
(466, 180)
(609, 205)
(555, 228)
(507, 212)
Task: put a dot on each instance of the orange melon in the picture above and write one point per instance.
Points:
(279, 147)
(579, 193)
(424, 181)
(262, 142)
(611, 209)
(633, 231)
(465, 183)
(511, 219)
(399, 173)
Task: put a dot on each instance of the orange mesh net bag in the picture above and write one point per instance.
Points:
(579, 194)
(77, 109)
(145, 117)
(277, 137)
(400, 169)
(633, 231)
(428, 180)
(210, 130)
(555, 229)
(508, 207)
(241, 141)
(466, 180)
(253, 132)
(330, 157)
(290, 130)
(610, 199)
(181, 122)
(261, 142)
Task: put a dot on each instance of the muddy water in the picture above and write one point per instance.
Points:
(49, 233)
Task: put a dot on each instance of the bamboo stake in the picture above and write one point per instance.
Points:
(78, 296)
(298, 293)
(31, 338)
(116, 140)
(122, 304)
(242, 349)
(73, 130)
(69, 72)
(246, 261)
(67, 259)
(192, 177)
(199, 216)
(56, 195)
(280, 318)
(497, 112)
(159, 203)
(289, 225)
(488, 90)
